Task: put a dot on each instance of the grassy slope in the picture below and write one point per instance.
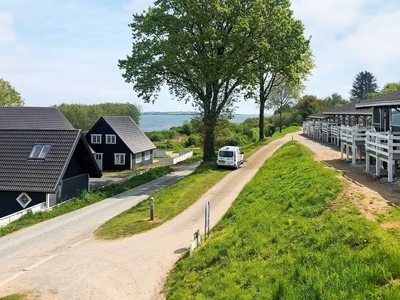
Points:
(282, 239)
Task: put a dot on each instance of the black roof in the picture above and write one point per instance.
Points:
(347, 109)
(318, 115)
(25, 117)
(387, 100)
(130, 133)
(19, 173)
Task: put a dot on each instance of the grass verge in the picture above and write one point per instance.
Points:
(283, 239)
(171, 201)
(84, 200)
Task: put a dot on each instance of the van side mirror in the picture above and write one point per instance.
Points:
(241, 152)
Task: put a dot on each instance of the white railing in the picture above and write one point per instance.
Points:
(352, 137)
(384, 146)
(335, 134)
(183, 155)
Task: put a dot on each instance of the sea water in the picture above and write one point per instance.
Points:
(164, 122)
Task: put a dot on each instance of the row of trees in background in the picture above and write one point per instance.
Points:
(84, 116)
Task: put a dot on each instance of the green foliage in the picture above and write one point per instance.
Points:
(203, 52)
(84, 200)
(156, 136)
(269, 130)
(364, 83)
(8, 95)
(83, 116)
(281, 239)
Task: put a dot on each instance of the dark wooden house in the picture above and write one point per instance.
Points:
(119, 144)
(43, 159)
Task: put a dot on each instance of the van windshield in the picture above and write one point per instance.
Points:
(226, 153)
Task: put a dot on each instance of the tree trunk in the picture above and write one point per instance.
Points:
(280, 121)
(261, 118)
(209, 138)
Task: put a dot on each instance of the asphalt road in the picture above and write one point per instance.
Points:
(30, 247)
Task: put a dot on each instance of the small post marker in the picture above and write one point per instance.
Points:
(151, 208)
(292, 137)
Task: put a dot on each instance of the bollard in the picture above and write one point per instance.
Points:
(151, 208)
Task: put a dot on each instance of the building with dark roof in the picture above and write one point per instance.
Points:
(119, 143)
(348, 114)
(44, 166)
(386, 111)
(38, 118)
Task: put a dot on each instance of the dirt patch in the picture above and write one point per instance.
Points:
(364, 191)
(390, 225)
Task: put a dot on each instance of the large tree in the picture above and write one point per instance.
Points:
(288, 58)
(8, 95)
(364, 83)
(204, 51)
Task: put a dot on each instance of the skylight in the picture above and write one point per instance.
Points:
(40, 151)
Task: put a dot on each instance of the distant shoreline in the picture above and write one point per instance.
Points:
(183, 113)
(167, 113)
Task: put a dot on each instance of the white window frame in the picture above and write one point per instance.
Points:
(147, 155)
(119, 158)
(95, 138)
(22, 203)
(40, 151)
(138, 157)
(111, 139)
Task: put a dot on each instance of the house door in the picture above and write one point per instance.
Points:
(98, 157)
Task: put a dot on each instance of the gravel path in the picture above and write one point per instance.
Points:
(59, 259)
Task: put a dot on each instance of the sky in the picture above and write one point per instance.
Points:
(55, 52)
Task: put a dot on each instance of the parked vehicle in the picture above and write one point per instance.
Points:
(230, 156)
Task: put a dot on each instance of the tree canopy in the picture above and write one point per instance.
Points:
(364, 83)
(8, 95)
(205, 52)
(84, 116)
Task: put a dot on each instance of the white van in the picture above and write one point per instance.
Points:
(230, 156)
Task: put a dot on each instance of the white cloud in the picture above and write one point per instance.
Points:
(349, 37)
(7, 32)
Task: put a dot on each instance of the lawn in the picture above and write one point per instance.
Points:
(284, 239)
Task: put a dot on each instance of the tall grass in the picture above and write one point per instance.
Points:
(282, 239)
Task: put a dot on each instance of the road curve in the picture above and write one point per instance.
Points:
(59, 259)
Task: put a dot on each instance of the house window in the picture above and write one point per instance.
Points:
(110, 138)
(138, 157)
(24, 199)
(119, 158)
(147, 155)
(376, 113)
(96, 138)
(40, 151)
(395, 117)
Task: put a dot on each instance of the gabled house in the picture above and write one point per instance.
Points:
(119, 144)
(43, 159)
